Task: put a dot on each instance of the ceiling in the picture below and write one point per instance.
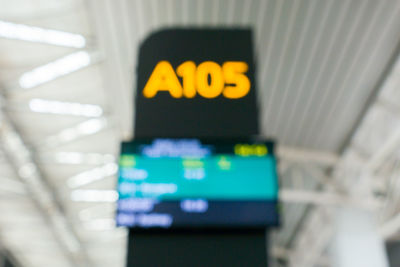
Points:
(318, 61)
(320, 66)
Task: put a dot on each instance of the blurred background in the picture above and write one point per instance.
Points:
(328, 76)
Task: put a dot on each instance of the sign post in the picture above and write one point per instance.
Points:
(197, 83)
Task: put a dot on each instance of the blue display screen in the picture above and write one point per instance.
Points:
(189, 183)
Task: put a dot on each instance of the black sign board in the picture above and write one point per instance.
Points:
(216, 94)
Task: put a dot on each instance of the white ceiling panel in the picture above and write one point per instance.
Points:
(318, 61)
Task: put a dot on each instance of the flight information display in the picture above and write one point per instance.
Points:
(193, 183)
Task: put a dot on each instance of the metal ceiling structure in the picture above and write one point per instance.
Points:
(329, 90)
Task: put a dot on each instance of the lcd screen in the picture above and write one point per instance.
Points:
(193, 183)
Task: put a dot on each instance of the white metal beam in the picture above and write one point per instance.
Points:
(301, 155)
(315, 232)
(12, 186)
(21, 159)
(388, 147)
(326, 198)
(116, 68)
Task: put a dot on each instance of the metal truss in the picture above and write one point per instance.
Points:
(304, 187)
(21, 158)
(364, 176)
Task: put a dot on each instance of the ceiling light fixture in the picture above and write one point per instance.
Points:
(40, 35)
(65, 108)
(94, 195)
(93, 175)
(55, 69)
(85, 128)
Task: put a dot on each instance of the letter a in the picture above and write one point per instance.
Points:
(163, 78)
